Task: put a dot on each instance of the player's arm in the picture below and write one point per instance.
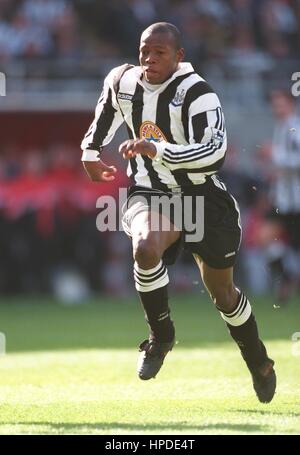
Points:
(107, 120)
(206, 135)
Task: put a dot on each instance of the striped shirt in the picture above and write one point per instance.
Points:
(182, 117)
(286, 158)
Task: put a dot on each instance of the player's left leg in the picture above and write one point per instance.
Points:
(236, 311)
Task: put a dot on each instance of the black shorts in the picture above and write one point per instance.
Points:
(221, 222)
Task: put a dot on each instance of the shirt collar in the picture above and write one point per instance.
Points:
(183, 68)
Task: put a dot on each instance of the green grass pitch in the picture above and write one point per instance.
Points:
(71, 370)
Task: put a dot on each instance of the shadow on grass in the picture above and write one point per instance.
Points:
(84, 428)
(269, 412)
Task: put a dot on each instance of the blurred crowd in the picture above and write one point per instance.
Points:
(48, 222)
(269, 196)
(242, 29)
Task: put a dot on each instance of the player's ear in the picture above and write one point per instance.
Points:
(180, 54)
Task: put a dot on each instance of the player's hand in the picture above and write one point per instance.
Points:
(99, 171)
(133, 147)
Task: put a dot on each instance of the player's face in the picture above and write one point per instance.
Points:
(159, 57)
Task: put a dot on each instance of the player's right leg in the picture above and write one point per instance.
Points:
(151, 280)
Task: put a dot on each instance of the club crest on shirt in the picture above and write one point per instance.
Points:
(151, 132)
(178, 98)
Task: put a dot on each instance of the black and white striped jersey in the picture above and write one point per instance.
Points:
(286, 158)
(183, 117)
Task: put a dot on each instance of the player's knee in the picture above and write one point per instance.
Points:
(146, 252)
(225, 298)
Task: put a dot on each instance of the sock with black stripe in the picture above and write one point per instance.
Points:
(242, 327)
(152, 288)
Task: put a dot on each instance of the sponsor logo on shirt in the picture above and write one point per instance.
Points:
(151, 132)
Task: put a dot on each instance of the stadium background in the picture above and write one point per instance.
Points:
(55, 54)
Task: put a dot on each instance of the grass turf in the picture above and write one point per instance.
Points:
(71, 370)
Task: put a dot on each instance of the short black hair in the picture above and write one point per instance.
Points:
(166, 27)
